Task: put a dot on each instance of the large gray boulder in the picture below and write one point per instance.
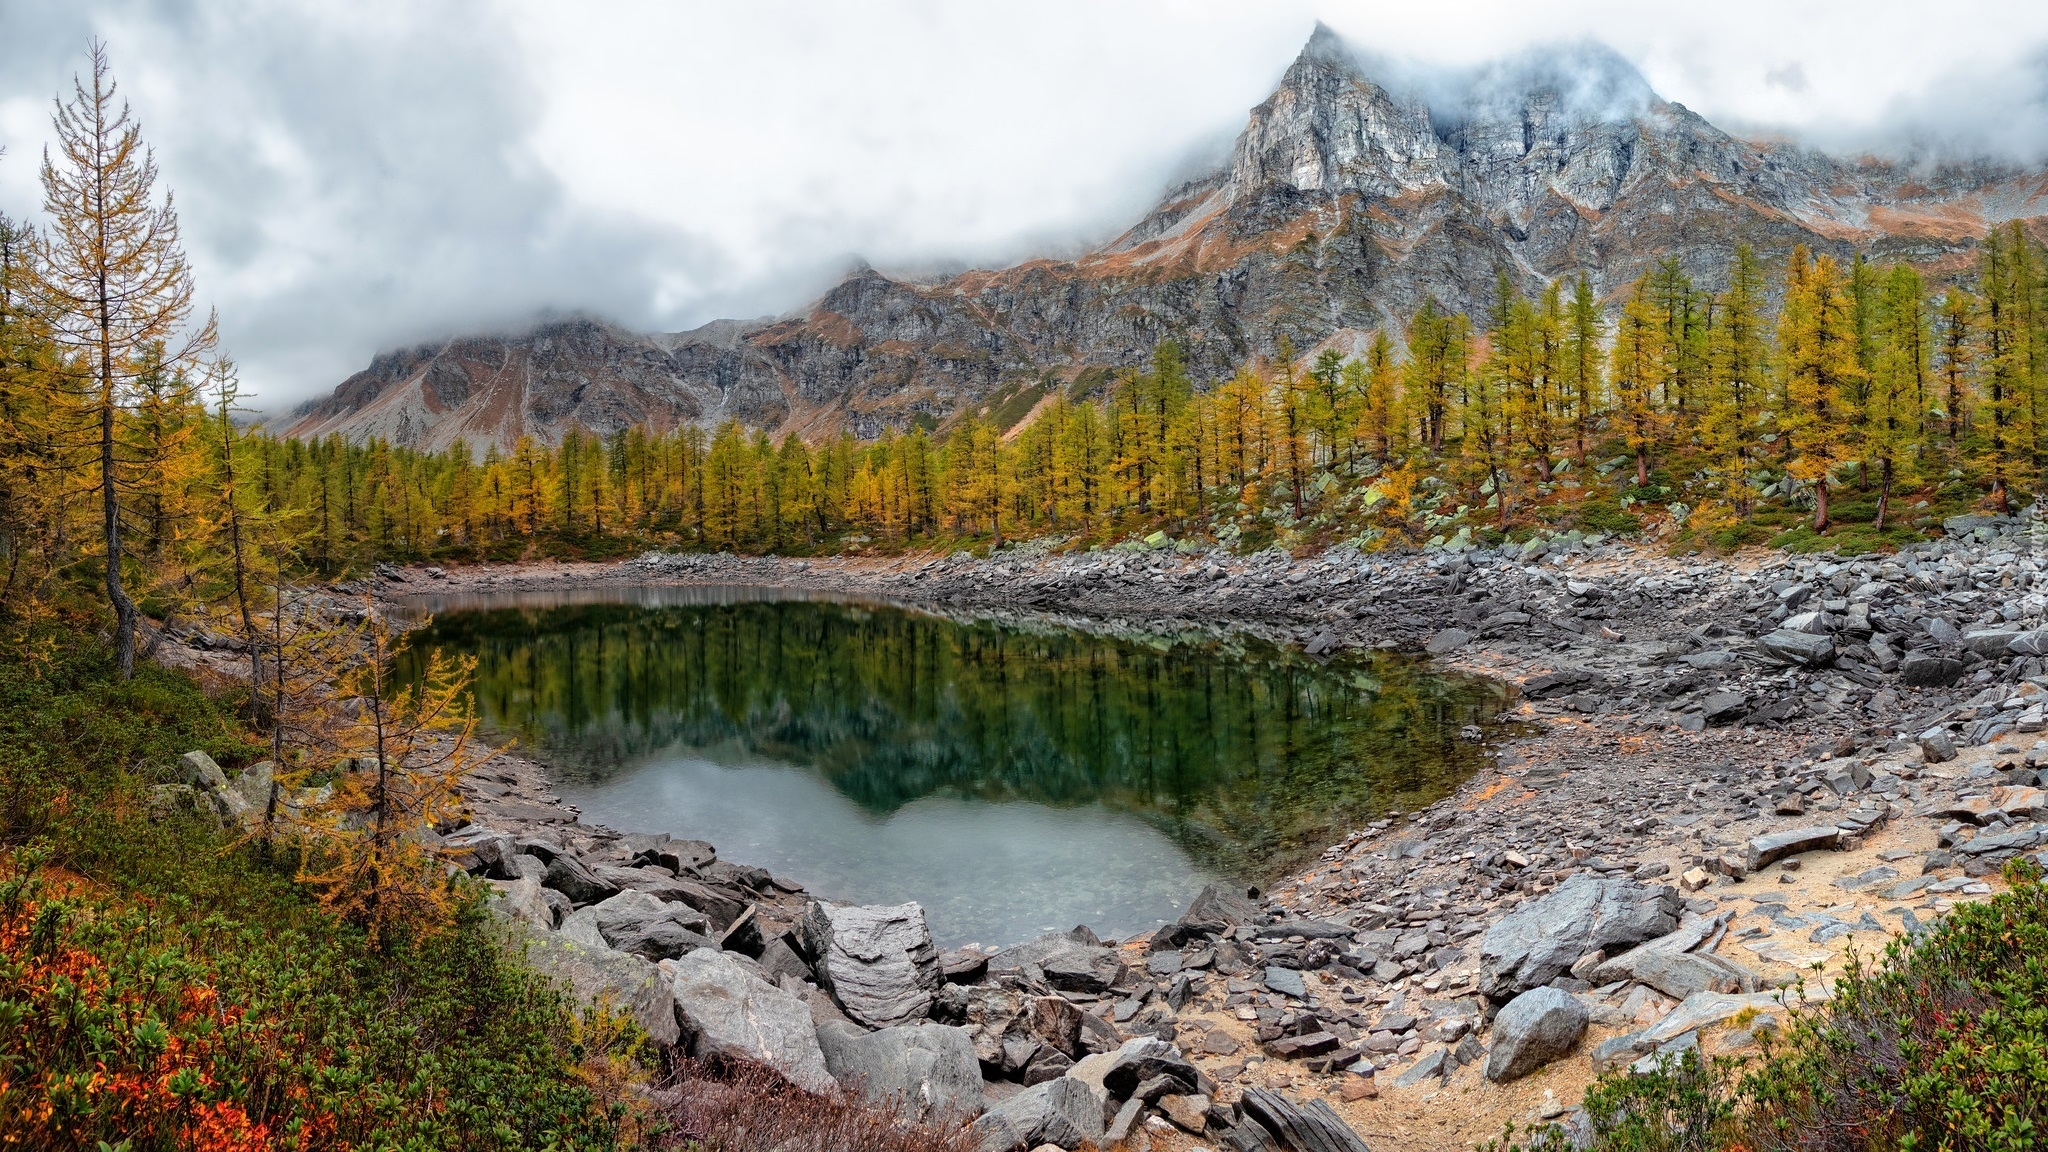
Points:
(600, 975)
(1535, 1028)
(879, 963)
(926, 1070)
(1539, 941)
(1061, 1111)
(730, 1012)
(253, 787)
(200, 771)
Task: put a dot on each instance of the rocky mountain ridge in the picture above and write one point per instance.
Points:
(1346, 201)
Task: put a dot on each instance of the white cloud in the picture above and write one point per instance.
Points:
(357, 176)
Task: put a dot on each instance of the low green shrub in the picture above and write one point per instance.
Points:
(1942, 1043)
(164, 986)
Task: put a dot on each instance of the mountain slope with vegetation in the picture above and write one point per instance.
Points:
(1355, 193)
(1811, 402)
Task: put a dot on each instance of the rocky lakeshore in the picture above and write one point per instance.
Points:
(1727, 773)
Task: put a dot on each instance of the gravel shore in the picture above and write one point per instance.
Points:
(1674, 713)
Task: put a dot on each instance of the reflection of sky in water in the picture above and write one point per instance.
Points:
(1014, 777)
(992, 873)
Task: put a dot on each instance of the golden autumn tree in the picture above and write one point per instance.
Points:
(403, 749)
(1818, 345)
(1637, 367)
(113, 281)
(1379, 408)
(31, 508)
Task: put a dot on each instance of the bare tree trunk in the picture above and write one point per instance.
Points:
(110, 512)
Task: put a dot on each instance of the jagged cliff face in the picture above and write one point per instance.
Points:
(1345, 203)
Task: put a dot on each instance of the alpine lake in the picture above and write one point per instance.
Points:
(1012, 774)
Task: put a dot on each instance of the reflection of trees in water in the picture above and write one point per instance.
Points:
(1240, 750)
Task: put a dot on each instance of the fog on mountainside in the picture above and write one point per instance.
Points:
(1355, 191)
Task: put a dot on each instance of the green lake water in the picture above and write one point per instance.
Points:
(1014, 777)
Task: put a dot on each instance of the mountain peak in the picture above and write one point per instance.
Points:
(1325, 46)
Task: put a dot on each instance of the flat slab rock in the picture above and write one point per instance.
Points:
(1704, 1008)
(1062, 962)
(1774, 846)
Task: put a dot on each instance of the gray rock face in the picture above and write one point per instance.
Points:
(929, 1070)
(1539, 941)
(1535, 1028)
(1544, 165)
(600, 974)
(1447, 641)
(878, 962)
(1061, 1111)
(728, 1011)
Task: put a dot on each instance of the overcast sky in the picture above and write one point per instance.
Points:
(358, 176)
